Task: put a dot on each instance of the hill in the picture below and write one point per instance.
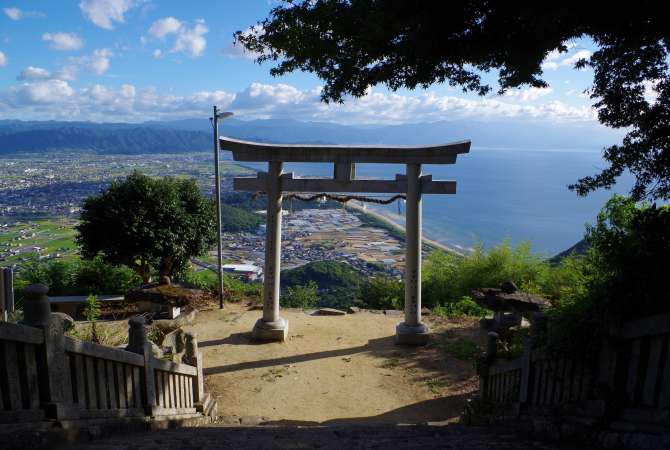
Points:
(337, 281)
(191, 135)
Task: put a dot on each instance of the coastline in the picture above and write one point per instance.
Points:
(398, 229)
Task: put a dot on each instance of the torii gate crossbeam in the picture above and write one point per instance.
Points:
(344, 158)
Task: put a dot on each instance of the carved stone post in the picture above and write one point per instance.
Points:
(484, 363)
(56, 382)
(412, 331)
(193, 357)
(138, 342)
(271, 326)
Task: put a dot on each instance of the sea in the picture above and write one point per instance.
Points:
(502, 194)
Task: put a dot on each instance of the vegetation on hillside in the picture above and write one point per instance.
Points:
(337, 282)
(234, 219)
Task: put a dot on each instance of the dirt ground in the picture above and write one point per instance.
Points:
(335, 369)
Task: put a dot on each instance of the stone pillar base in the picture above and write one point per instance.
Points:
(411, 334)
(270, 331)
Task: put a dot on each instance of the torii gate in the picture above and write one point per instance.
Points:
(275, 182)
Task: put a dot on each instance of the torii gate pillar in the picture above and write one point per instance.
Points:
(412, 331)
(271, 327)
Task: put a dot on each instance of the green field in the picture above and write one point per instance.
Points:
(53, 236)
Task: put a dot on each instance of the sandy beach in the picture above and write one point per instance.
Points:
(398, 227)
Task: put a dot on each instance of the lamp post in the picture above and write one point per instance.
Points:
(217, 171)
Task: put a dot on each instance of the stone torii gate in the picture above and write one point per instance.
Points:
(275, 182)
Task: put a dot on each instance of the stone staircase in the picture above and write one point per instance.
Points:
(349, 437)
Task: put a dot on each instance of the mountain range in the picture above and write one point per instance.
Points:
(194, 135)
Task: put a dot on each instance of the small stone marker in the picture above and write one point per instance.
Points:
(329, 312)
(353, 309)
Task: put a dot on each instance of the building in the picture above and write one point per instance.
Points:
(247, 272)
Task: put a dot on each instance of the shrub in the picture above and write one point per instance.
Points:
(300, 296)
(381, 292)
(462, 308)
(449, 277)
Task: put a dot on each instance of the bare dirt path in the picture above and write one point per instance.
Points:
(333, 369)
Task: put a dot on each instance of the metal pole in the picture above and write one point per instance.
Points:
(217, 171)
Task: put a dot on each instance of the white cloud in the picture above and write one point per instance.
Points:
(165, 26)
(55, 92)
(13, 13)
(3, 59)
(57, 99)
(63, 41)
(190, 40)
(158, 53)
(529, 94)
(98, 62)
(104, 13)
(18, 14)
(34, 73)
(553, 60)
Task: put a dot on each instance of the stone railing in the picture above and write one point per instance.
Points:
(627, 385)
(47, 375)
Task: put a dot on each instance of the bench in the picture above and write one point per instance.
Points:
(70, 304)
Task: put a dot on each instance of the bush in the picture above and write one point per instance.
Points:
(622, 276)
(78, 277)
(462, 308)
(300, 296)
(381, 292)
(449, 277)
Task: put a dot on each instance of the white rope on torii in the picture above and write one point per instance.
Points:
(275, 183)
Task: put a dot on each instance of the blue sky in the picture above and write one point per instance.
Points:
(136, 60)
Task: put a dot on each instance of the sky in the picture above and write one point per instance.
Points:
(140, 60)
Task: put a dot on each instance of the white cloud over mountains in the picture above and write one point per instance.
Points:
(57, 99)
(104, 13)
(63, 41)
(190, 40)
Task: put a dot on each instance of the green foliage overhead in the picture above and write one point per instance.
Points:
(300, 296)
(148, 224)
(352, 45)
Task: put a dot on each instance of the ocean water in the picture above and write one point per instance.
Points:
(519, 195)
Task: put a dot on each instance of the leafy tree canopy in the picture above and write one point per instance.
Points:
(148, 224)
(354, 44)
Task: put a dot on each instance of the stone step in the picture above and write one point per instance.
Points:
(349, 437)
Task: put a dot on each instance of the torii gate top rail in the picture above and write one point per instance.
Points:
(344, 158)
(256, 151)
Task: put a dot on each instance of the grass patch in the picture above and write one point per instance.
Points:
(460, 348)
(436, 385)
(390, 363)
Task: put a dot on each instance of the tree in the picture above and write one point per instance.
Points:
(354, 44)
(148, 224)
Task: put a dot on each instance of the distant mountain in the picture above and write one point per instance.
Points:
(192, 135)
(580, 248)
